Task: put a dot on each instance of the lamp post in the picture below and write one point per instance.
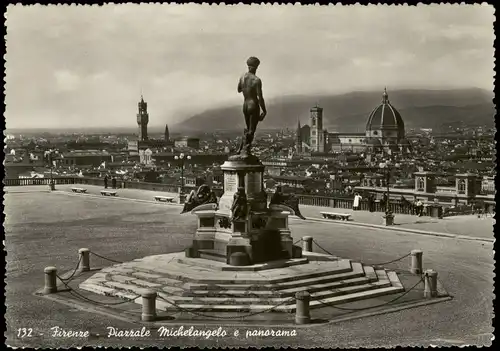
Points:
(52, 185)
(182, 158)
(389, 216)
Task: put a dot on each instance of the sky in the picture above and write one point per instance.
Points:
(86, 66)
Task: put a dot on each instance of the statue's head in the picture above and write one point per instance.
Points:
(253, 63)
(241, 190)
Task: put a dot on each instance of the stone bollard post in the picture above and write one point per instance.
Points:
(148, 305)
(50, 280)
(416, 262)
(430, 288)
(84, 258)
(307, 243)
(302, 315)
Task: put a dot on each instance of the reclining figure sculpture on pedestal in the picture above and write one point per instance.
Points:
(204, 195)
(251, 87)
(289, 200)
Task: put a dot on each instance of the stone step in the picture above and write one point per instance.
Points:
(179, 288)
(279, 275)
(393, 278)
(222, 266)
(285, 307)
(110, 287)
(97, 288)
(131, 284)
(355, 296)
(381, 274)
(209, 310)
(355, 272)
(214, 255)
(282, 293)
(249, 300)
(289, 282)
(370, 273)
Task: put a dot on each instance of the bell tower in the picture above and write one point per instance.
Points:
(298, 140)
(143, 119)
(317, 137)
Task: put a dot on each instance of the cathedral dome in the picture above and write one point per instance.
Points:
(385, 120)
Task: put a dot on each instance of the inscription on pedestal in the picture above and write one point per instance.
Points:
(253, 183)
(230, 182)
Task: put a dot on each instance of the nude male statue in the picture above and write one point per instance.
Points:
(251, 87)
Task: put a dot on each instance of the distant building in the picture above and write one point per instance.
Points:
(385, 131)
(81, 158)
(317, 136)
(298, 143)
(145, 157)
(143, 120)
(167, 134)
(143, 142)
(188, 142)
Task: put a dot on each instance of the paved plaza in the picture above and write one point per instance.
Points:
(467, 225)
(44, 229)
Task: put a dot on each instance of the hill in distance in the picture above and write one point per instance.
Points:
(349, 112)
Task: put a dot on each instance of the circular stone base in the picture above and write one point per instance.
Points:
(238, 259)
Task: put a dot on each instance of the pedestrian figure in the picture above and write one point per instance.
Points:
(420, 208)
(383, 202)
(371, 203)
(106, 181)
(113, 182)
(356, 202)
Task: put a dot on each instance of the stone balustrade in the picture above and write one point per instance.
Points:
(396, 206)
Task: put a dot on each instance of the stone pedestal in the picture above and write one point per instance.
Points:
(436, 211)
(247, 172)
(388, 219)
(262, 236)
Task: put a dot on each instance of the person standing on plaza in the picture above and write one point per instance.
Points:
(420, 208)
(357, 202)
(371, 202)
(113, 182)
(106, 181)
(383, 202)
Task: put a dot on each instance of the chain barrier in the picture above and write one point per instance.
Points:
(322, 248)
(73, 292)
(77, 294)
(74, 272)
(397, 259)
(367, 308)
(371, 264)
(108, 259)
(182, 309)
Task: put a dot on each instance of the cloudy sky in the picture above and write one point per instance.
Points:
(85, 66)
